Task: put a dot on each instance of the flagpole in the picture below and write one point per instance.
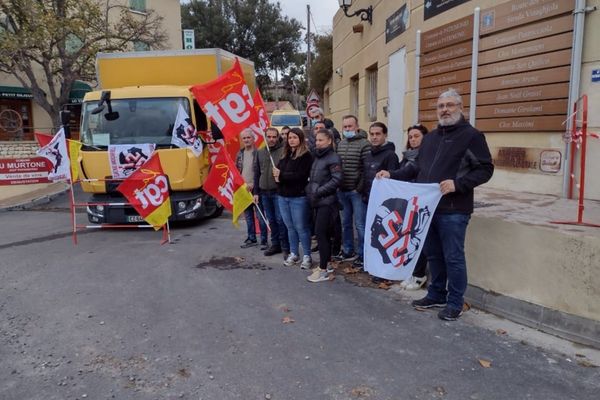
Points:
(73, 216)
(262, 216)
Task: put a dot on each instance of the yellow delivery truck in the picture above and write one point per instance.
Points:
(137, 102)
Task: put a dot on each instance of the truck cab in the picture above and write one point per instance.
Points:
(124, 112)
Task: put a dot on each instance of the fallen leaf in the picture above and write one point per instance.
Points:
(500, 331)
(361, 392)
(485, 363)
(350, 270)
(466, 306)
(441, 391)
(579, 355)
(586, 363)
(383, 286)
(239, 259)
(288, 320)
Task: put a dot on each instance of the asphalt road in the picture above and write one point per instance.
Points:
(119, 316)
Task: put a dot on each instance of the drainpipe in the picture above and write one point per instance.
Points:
(575, 80)
(474, 63)
(417, 76)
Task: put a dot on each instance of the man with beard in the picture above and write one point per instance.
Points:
(456, 156)
(265, 190)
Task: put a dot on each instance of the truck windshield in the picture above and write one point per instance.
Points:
(142, 120)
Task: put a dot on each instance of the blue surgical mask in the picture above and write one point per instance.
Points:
(349, 134)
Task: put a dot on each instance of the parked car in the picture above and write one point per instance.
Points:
(281, 118)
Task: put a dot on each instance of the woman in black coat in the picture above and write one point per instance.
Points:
(325, 179)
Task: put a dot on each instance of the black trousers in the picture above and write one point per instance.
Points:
(421, 267)
(325, 218)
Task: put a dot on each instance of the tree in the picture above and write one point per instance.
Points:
(322, 67)
(53, 43)
(253, 29)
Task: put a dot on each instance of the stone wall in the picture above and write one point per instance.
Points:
(18, 149)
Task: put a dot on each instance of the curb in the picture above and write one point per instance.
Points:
(36, 201)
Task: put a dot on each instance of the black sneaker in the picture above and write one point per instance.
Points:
(358, 263)
(272, 250)
(264, 246)
(248, 243)
(449, 314)
(425, 302)
(343, 256)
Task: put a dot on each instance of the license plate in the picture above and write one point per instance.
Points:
(134, 218)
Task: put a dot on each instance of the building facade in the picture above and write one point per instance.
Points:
(520, 63)
(24, 112)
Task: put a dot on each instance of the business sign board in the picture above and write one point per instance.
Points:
(436, 7)
(527, 159)
(396, 24)
(24, 171)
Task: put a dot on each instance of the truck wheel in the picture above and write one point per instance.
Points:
(218, 212)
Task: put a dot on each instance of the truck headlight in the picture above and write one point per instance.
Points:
(181, 205)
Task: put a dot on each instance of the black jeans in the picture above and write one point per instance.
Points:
(421, 267)
(325, 218)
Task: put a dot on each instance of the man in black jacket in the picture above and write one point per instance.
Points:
(456, 156)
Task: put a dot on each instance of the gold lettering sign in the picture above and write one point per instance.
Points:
(446, 35)
(431, 104)
(552, 91)
(534, 78)
(446, 66)
(527, 32)
(558, 42)
(541, 61)
(521, 12)
(447, 53)
(525, 124)
(464, 89)
(548, 107)
(447, 79)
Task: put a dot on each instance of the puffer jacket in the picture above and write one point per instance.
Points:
(382, 157)
(352, 153)
(408, 169)
(325, 178)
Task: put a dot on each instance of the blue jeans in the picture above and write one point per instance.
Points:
(295, 214)
(445, 250)
(353, 215)
(249, 214)
(278, 230)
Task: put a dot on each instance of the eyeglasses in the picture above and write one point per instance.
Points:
(441, 106)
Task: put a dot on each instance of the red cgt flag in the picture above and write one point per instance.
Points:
(147, 189)
(227, 102)
(227, 186)
(263, 119)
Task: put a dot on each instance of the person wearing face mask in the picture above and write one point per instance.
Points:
(456, 156)
(352, 149)
(325, 178)
(407, 171)
(316, 115)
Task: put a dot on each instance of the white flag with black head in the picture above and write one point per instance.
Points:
(184, 133)
(398, 218)
(56, 152)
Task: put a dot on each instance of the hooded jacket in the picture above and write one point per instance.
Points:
(352, 153)
(458, 152)
(380, 157)
(325, 178)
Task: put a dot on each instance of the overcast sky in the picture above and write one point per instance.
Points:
(322, 12)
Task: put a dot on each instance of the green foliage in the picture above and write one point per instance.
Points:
(49, 44)
(253, 29)
(322, 67)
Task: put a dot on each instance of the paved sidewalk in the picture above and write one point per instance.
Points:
(24, 196)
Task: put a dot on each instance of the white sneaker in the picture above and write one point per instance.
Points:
(407, 282)
(417, 283)
(291, 260)
(306, 262)
(318, 275)
(330, 269)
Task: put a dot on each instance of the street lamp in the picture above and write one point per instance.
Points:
(366, 14)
